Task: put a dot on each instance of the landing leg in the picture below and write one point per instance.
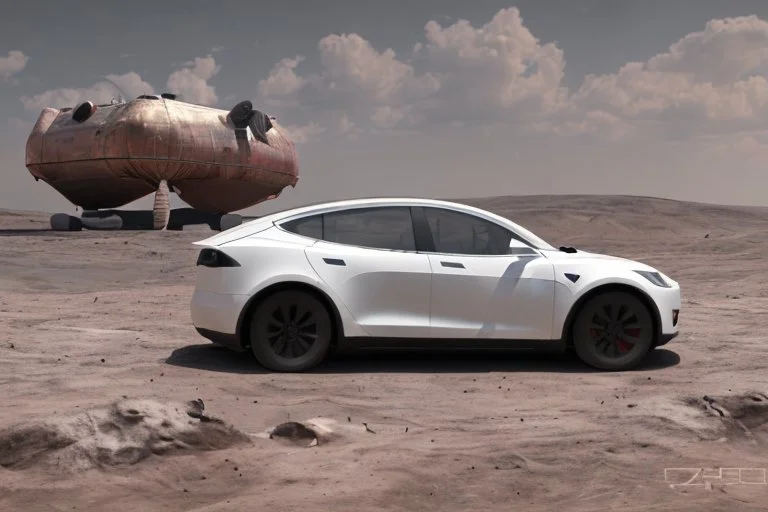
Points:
(161, 211)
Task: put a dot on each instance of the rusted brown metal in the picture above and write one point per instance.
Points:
(213, 159)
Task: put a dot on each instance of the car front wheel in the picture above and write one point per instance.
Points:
(613, 331)
(290, 331)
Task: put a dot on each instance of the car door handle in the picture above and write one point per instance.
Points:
(452, 264)
(335, 261)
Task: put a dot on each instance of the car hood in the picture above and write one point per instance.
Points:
(560, 256)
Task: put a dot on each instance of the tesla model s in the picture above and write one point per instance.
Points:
(418, 273)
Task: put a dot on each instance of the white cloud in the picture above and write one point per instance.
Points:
(13, 64)
(129, 84)
(357, 84)
(499, 71)
(191, 81)
(460, 74)
(709, 80)
(282, 80)
(713, 80)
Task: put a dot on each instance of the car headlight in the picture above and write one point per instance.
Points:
(656, 278)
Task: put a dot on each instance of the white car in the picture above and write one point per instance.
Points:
(420, 273)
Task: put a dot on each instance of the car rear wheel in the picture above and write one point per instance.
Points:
(290, 331)
(613, 331)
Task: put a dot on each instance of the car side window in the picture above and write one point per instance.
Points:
(460, 233)
(311, 227)
(378, 228)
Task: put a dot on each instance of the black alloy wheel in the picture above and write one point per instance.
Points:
(613, 331)
(290, 331)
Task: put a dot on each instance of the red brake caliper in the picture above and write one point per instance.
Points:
(624, 345)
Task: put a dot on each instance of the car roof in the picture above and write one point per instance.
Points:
(260, 223)
(362, 203)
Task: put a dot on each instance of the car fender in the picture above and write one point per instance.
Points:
(569, 296)
(348, 325)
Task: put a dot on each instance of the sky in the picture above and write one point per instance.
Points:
(431, 98)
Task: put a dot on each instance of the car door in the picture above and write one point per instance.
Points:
(367, 256)
(485, 282)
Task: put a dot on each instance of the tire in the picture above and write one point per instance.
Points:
(613, 350)
(101, 220)
(65, 222)
(272, 347)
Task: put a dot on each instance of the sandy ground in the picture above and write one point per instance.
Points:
(90, 318)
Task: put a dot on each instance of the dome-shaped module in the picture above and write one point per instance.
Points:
(218, 161)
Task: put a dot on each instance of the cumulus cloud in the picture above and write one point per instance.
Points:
(710, 80)
(128, 85)
(191, 81)
(282, 80)
(459, 74)
(498, 71)
(13, 64)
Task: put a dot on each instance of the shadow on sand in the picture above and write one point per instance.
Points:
(213, 358)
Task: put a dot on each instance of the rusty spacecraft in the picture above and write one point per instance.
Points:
(101, 157)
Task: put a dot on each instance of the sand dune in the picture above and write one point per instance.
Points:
(88, 318)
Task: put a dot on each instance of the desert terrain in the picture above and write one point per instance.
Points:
(98, 361)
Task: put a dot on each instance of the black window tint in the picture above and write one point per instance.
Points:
(379, 228)
(459, 233)
(307, 226)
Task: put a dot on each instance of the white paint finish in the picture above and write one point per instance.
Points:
(595, 270)
(271, 255)
(387, 292)
(217, 312)
(506, 297)
(396, 294)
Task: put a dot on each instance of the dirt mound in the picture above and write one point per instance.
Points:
(314, 432)
(742, 415)
(123, 433)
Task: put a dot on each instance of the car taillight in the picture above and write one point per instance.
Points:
(214, 258)
(675, 313)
